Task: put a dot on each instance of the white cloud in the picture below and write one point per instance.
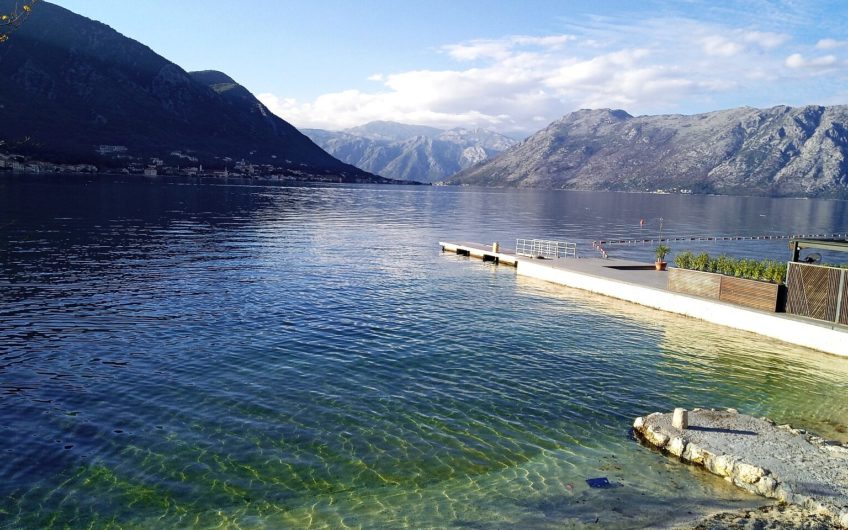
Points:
(718, 45)
(735, 42)
(519, 81)
(502, 48)
(829, 44)
(596, 70)
(765, 39)
(551, 41)
(797, 61)
(477, 50)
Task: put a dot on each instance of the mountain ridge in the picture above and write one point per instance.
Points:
(780, 151)
(71, 84)
(410, 152)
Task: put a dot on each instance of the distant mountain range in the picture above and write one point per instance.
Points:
(74, 90)
(781, 151)
(410, 152)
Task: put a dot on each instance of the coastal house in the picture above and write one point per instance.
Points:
(111, 149)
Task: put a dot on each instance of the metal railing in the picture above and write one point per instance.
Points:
(543, 248)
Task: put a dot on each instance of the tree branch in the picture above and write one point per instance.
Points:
(12, 21)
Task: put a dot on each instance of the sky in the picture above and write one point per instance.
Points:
(509, 66)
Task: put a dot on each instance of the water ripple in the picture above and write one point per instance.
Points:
(247, 356)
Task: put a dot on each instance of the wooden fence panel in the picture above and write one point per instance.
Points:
(740, 291)
(749, 293)
(813, 291)
(843, 311)
(699, 283)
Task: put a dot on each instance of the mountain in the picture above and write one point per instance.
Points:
(781, 151)
(391, 131)
(410, 152)
(69, 85)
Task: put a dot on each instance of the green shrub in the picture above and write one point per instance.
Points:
(764, 270)
(683, 260)
(701, 262)
(775, 272)
(724, 265)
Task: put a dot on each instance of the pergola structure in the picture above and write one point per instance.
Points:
(796, 245)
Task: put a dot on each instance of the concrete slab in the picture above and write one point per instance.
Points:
(646, 287)
(636, 272)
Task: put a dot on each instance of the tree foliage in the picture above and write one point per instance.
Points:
(9, 22)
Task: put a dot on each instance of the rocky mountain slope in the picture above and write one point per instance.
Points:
(391, 131)
(410, 152)
(781, 151)
(69, 85)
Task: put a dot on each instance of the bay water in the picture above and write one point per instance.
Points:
(228, 355)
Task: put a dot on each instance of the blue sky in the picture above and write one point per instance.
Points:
(505, 65)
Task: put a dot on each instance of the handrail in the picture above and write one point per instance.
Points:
(545, 248)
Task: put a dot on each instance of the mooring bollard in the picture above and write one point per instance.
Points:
(680, 420)
(496, 247)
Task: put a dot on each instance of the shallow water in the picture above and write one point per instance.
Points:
(174, 355)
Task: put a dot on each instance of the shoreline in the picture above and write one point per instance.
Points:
(791, 465)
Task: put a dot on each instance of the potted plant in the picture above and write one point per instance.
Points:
(661, 251)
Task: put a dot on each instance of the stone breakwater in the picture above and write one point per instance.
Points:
(755, 454)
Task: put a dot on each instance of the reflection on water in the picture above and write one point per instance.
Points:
(234, 356)
(718, 367)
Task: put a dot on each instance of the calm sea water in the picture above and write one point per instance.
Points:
(235, 356)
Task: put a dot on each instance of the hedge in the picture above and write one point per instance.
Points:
(764, 270)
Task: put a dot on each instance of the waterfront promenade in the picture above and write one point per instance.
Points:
(640, 283)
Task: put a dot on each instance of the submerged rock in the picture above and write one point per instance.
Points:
(777, 462)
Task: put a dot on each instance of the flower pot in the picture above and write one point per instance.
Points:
(660, 265)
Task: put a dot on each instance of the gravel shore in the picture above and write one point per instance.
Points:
(776, 517)
(807, 474)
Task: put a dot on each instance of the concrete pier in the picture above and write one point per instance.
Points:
(640, 283)
(484, 252)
